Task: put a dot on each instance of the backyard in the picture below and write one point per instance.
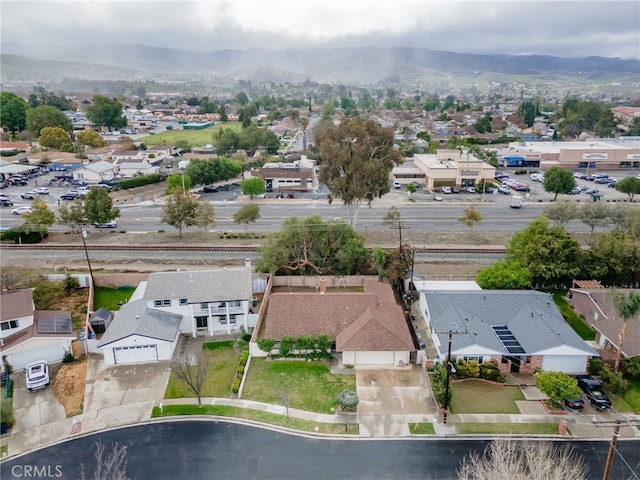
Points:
(111, 298)
(477, 396)
(303, 385)
(223, 362)
(578, 324)
(196, 138)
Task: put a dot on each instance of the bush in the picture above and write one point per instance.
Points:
(235, 388)
(615, 381)
(520, 172)
(67, 357)
(491, 371)
(246, 337)
(323, 344)
(595, 366)
(6, 412)
(305, 343)
(70, 283)
(18, 236)
(286, 345)
(266, 344)
(439, 383)
(244, 357)
(140, 181)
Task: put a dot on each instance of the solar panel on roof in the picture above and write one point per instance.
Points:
(508, 339)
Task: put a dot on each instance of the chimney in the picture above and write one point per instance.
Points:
(323, 286)
(247, 263)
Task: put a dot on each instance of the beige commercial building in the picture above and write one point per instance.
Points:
(453, 168)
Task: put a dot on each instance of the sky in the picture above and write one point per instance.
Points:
(574, 28)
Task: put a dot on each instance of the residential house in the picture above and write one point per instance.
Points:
(140, 334)
(127, 155)
(368, 327)
(96, 172)
(130, 168)
(590, 301)
(521, 330)
(102, 153)
(159, 153)
(29, 335)
(57, 160)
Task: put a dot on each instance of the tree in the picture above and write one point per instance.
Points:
(73, 216)
(313, 247)
(46, 116)
(205, 215)
(109, 465)
(483, 125)
(411, 189)
(347, 400)
(178, 183)
(328, 111)
(630, 186)
(253, 186)
(392, 218)
(594, 214)
(561, 212)
(242, 98)
(439, 384)
(106, 112)
(504, 275)
(249, 213)
(13, 112)
(606, 123)
(206, 172)
(634, 128)
(39, 219)
(627, 305)
(549, 253)
(89, 138)
(56, 138)
(192, 372)
(357, 158)
(558, 386)
(632, 365)
(222, 111)
(180, 211)
(508, 459)
(558, 180)
(470, 217)
(98, 206)
(613, 259)
(183, 145)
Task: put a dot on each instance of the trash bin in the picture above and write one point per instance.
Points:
(596, 197)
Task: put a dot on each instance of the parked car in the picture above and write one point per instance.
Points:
(111, 224)
(602, 180)
(261, 195)
(575, 191)
(470, 189)
(522, 188)
(594, 392)
(504, 189)
(21, 210)
(4, 197)
(6, 203)
(17, 182)
(210, 189)
(29, 195)
(455, 190)
(612, 184)
(69, 196)
(3, 184)
(41, 190)
(575, 403)
(397, 184)
(37, 374)
(446, 189)
(580, 175)
(592, 191)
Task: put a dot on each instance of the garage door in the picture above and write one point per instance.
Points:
(564, 363)
(135, 354)
(374, 358)
(50, 353)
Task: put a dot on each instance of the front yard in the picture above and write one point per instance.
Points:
(476, 396)
(223, 363)
(304, 385)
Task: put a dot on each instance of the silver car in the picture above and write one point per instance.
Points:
(37, 374)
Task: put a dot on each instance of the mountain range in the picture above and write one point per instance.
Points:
(363, 65)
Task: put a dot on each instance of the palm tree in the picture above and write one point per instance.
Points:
(627, 307)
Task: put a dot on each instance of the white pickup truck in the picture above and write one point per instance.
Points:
(516, 201)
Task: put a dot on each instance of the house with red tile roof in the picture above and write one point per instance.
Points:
(367, 327)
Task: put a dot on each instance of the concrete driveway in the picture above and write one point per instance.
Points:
(121, 394)
(390, 398)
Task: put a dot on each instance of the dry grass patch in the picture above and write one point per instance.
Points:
(68, 386)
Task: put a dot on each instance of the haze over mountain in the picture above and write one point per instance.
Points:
(364, 65)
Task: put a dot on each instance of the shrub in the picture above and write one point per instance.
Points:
(244, 357)
(439, 383)
(240, 345)
(6, 412)
(286, 345)
(18, 236)
(140, 181)
(595, 366)
(70, 283)
(246, 336)
(67, 357)
(241, 370)
(305, 343)
(615, 381)
(235, 388)
(266, 344)
(323, 344)
(491, 371)
(520, 172)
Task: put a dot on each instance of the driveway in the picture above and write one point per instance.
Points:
(390, 397)
(121, 394)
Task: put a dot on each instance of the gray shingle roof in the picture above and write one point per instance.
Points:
(135, 318)
(532, 317)
(200, 286)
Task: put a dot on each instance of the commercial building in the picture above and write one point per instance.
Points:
(453, 168)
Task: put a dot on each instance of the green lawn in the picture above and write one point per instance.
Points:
(422, 428)
(579, 325)
(508, 428)
(630, 400)
(223, 363)
(197, 138)
(476, 396)
(111, 298)
(305, 385)
(257, 415)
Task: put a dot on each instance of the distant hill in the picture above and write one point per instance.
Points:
(353, 65)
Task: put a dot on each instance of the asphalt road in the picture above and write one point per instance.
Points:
(220, 450)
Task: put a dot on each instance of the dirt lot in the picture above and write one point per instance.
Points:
(68, 386)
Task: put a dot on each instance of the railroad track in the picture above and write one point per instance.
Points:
(233, 249)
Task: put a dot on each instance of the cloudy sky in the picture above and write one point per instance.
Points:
(574, 28)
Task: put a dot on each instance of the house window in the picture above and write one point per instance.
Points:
(232, 319)
(222, 304)
(10, 325)
(202, 322)
(222, 319)
(183, 302)
(235, 303)
(204, 306)
(504, 360)
(476, 358)
(166, 303)
(157, 303)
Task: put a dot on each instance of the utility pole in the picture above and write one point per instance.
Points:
(616, 434)
(84, 236)
(400, 226)
(446, 388)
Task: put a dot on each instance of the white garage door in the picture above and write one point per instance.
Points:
(374, 358)
(50, 353)
(564, 363)
(135, 354)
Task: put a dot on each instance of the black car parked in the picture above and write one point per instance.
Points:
(594, 392)
(69, 196)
